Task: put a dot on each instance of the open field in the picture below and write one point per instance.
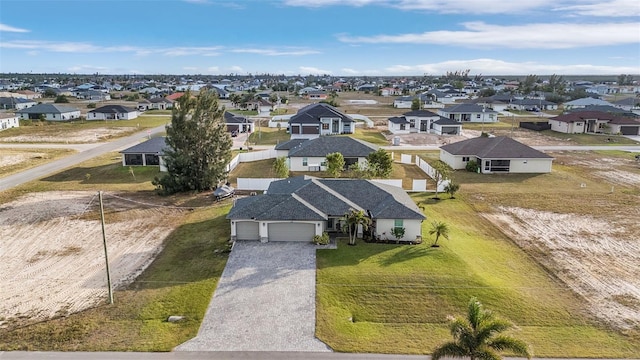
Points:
(13, 161)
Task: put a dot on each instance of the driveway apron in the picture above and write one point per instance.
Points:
(265, 301)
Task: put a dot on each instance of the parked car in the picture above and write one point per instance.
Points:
(223, 191)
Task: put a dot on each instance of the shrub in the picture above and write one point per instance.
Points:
(91, 105)
(472, 166)
(321, 239)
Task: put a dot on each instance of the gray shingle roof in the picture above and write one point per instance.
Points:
(152, 146)
(399, 120)
(311, 114)
(324, 145)
(467, 108)
(446, 121)
(327, 196)
(112, 109)
(288, 145)
(500, 147)
(231, 118)
(47, 109)
(420, 113)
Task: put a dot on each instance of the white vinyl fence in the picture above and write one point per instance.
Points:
(392, 182)
(424, 166)
(251, 156)
(254, 184)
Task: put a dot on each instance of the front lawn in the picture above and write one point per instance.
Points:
(591, 139)
(396, 298)
(269, 136)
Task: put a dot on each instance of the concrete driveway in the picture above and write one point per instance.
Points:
(265, 301)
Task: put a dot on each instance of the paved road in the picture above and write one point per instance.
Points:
(634, 148)
(265, 301)
(58, 165)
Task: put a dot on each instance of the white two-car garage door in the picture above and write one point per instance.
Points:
(291, 232)
(248, 230)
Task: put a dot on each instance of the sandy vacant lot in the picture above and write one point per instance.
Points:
(75, 137)
(52, 257)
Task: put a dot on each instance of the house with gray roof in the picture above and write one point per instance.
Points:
(311, 155)
(16, 103)
(112, 112)
(469, 113)
(237, 123)
(297, 209)
(148, 153)
(583, 102)
(499, 154)
(595, 122)
(8, 120)
(50, 112)
(421, 121)
(320, 119)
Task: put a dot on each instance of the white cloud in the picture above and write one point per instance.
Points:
(527, 36)
(273, 52)
(614, 8)
(190, 68)
(189, 51)
(88, 68)
(8, 28)
(313, 70)
(500, 67)
(236, 69)
(348, 71)
(213, 69)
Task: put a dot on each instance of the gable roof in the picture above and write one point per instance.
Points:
(325, 145)
(586, 101)
(47, 109)
(420, 113)
(155, 146)
(308, 198)
(231, 118)
(112, 109)
(288, 145)
(311, 114)
(446, 121)
(399, 120)
(594, 115)
(500, 147)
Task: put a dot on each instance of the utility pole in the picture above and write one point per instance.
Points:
(104, 242)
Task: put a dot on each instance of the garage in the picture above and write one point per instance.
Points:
(291, 232)
(247, 230)
(629, 130)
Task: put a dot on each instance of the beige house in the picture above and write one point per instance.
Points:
(595, 122)
(496, 155)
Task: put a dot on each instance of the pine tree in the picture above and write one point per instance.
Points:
(198, 145)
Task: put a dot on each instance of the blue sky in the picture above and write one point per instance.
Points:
(338, 37)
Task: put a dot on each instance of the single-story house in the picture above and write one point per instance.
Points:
(320, 119)
(593, 122)
(628, 104)
(297, 209)
(238, 123)
(148, 153)
(533, 104)
(16, 103)
(499, 154)
(423, 121)
(398, 125)
(497, 102)
(445, 126)
(144, 105)
(161, 103)
(8, 120)
(112, 112)
(469, 113)
(94, 95)
(310, 155)
(52, 112)
(583, 102)
(316, 95)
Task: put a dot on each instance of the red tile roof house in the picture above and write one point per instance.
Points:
(594, 122)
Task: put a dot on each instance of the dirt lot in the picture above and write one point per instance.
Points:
(50, 135)
(52, 257)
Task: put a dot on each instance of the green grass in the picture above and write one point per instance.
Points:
(371, 135)
(394, 298)
(591, 139)
(268, 136)
(32, 158)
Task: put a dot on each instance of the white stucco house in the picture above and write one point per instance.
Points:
(148, 153)
(51, 112)
(320, 119)
(297, 209)
(8, 120)
(469, 113)
(595, 122)
(112, 112)
(423, 121)
(310, 155)
(499, 154)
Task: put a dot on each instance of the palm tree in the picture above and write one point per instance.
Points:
(351, 220)
(440, 229)
(476, 336)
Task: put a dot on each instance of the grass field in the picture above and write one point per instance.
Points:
(15, 160)
(589, 139)
(393, 298)
(268, 136)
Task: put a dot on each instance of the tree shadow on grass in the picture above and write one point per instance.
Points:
(408, 253)
(106, 174)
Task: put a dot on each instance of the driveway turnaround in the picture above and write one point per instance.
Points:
(265, 301)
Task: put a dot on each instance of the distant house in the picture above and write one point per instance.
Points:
(594, 122)
(320, 119)
(52, 112)
(583, 102)
(93, 95)
(15, 103)
(316, 95)
(310, 155)
(144, 105)
(496, 155)
(444, 126)
(533, 104)
(148, 153)
(238, 123)
(628, 104)
(469, 113)
(403, 102)
(160, 104)
(297, 209)
(112, 112)
(8, 120)
(497, 102)
(175, 96)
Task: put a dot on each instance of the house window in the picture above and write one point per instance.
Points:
(491, 116)
(398, 223)
(305, 161)
(324, 163)
(477, 116)
(465, 159)
(325, 126)
(412, 123)
(402, 127)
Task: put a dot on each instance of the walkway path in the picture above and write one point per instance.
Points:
(265, 301)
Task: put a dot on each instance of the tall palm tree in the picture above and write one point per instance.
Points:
(440, 229)
(476, 336)
(351, 220)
